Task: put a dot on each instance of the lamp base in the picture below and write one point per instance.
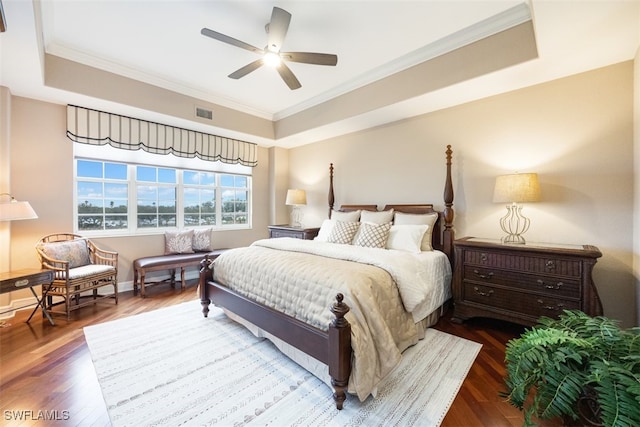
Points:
(296, 217)
(514, 224)
(513, 239)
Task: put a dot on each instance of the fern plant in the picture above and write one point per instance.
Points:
(555, 365)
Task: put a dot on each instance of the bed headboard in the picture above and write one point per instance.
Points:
(443, 239)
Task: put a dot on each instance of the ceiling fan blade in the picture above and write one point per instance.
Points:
(229, 40)
(278, 27)
(310, 58)
(246, 69)
(288, 76)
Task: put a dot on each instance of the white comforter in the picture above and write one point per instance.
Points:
(387, 291)
(423, 279)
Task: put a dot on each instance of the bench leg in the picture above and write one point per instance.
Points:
(182, 278)
(142, 293)
(135, 282)
(173, 278)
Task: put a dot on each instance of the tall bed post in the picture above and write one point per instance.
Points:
(331, 197)
(448, 234)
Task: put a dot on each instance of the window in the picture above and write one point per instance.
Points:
(102, 190)
(121, 198)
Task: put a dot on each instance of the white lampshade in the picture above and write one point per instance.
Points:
(296, 197)
(517, 188)
(15, 210)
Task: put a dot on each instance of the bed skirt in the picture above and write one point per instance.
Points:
(311, 364)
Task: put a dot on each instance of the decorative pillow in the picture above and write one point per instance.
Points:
(325, 230)
(372, 235)
(380, 217)
(178, 242)
(422, 219)
(406, 237)
(202, 240)
(76, 252)
(343, 232)
(351, 216)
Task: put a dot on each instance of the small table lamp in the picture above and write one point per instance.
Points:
(516, 188)
(296, 198)
(14, 210)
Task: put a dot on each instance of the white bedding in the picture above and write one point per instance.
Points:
(423, 278)
(388, 292)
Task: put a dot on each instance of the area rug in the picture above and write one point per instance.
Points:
(173, 367)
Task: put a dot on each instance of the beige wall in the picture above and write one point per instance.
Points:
(576, 132)
(42, 172)
(636, 193)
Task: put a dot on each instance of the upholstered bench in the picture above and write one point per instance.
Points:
(167, 262)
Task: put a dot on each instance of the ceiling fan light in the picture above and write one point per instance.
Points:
(271, 59)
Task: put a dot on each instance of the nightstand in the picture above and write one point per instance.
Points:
(520, 283)
(306, 233)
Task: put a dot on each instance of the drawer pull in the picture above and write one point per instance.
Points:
(483, 276)
(21, 283)
(483, 257)
(550, 265)
(550, 285)
(482, 293)
(551, 307)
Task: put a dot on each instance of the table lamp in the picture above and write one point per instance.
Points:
(513, 189)
(296, 198)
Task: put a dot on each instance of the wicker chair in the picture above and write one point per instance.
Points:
(80, 269)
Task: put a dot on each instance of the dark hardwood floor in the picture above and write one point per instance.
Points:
(48, 368)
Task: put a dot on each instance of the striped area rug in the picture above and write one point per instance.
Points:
(173, 367)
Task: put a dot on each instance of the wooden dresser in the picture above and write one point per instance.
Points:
(295, 232)
(520, 283)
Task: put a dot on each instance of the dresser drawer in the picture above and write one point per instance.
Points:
(531, 282)
(524, 263)
(286, 233)
(10, 283)
(514, 300)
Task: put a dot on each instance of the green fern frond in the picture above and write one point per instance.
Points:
(551, 364)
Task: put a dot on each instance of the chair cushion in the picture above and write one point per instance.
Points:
(164, 260)
(76, 252)
(89, 270)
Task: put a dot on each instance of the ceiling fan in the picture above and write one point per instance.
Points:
(271, 55)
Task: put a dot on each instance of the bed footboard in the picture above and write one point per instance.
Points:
(332, 347)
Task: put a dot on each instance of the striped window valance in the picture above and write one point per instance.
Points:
(95, 127)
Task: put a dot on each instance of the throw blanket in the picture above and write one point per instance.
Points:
(301, 278)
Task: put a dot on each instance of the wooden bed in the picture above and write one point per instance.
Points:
(332, 347)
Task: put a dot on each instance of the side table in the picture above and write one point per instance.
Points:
(28, 278)
(306, 233)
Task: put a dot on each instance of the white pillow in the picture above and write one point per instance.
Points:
(401, 218)
(325, 230)
(406, 237)
(351, 216)
(379, 217)
(372, 235)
